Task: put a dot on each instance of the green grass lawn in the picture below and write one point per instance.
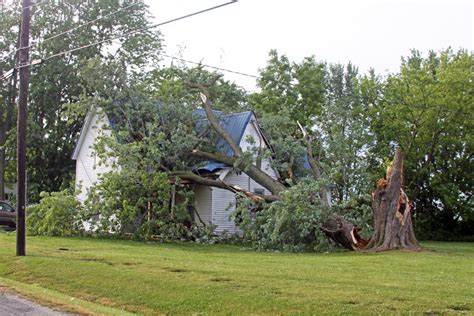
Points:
(186, 278)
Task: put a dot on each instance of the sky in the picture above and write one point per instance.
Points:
(367, 33)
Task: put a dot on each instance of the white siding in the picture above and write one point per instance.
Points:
(223, 201)
(88, 166)
(203, 204)
(252, 131)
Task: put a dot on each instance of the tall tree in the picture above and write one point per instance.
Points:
(83, 28)
(291, 97)
(428, 109)
(344, 130)
(325, 100)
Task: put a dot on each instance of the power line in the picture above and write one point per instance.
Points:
(22, 9)
(38, 61)
(133, 32)
(73, 29)
(209, 66)
(90, 22)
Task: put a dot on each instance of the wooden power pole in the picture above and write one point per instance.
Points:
(21, 127)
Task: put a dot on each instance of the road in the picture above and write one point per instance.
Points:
(11, 305)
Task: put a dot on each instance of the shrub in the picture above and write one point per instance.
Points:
(55, 215)
(138, 204)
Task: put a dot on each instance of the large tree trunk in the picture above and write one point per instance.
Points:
(393, 227)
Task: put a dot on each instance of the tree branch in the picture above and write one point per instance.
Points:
(213, 121)
(257, 198)
(315, 168)
(251, 170)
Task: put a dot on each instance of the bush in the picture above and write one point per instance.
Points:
(55, 215)
(137, 204)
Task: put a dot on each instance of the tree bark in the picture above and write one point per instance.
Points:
(314, 164)
(252, 171)
(344, 233)
(393, 228)
(189, 175)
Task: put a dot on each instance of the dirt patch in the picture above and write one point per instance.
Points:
(99, 260)
(220, 279)
(459, 307)
(176, 270)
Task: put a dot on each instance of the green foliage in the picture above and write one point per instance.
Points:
(57, 83)
(428, 109)
(55, 215)
(125, 200)
(296, 89)
(345, 134)
(326, 99)
(169, 86)
(293, 223)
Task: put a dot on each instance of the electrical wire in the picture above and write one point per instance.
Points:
(209, 66)
(132, 32)
(90, 22)
(71, 30)
(38, 61)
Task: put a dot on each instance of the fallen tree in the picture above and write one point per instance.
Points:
(393, 228)
(391, 206)
(294, 216)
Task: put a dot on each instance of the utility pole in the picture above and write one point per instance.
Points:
(21, 127)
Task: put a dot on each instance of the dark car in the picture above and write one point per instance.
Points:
(7, 215)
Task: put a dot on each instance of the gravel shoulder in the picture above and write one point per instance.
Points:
(11, 304)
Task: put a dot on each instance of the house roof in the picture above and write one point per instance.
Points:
(234, 124)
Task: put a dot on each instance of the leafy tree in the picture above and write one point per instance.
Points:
(296, 89)
(291, 94)
(428, 110)
(57, 83)
(326, 101)
(344, 133)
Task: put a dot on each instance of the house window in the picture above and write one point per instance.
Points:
(259, 191)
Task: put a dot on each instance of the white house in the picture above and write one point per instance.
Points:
(213, 205)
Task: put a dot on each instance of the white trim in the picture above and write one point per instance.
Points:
(224, 173)
(82, 135)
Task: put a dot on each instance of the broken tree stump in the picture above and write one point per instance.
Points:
(393, 228)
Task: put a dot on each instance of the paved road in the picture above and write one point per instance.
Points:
(11, 305)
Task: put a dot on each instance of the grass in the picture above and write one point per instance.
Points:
(185, 278)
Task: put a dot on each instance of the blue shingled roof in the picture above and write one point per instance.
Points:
(235, 125)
